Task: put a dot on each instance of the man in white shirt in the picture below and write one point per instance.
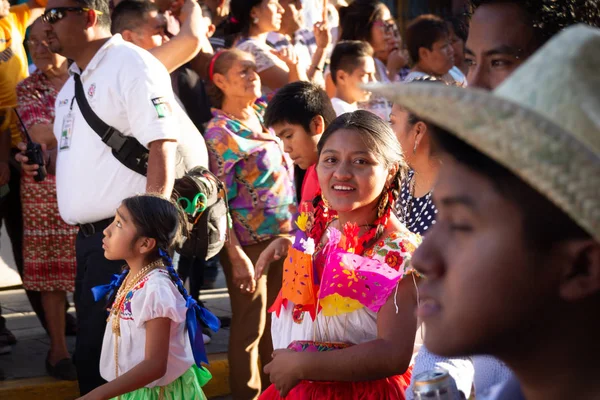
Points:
(129, 90)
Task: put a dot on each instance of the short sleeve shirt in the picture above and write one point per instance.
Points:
(155, 296)
(258, 175)
(130, 90)
(13, 65)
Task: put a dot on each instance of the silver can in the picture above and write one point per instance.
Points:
(435, 384)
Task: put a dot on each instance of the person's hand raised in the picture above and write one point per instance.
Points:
(287, 55)
(322, 35)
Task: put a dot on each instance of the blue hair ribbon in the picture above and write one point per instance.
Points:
(194, 317)
(102, 291)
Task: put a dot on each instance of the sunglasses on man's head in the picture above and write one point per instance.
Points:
(54, 15)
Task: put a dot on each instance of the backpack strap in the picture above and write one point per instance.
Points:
(127, 149)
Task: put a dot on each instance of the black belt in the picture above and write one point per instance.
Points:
(95, 227)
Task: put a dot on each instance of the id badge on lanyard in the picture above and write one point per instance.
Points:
(66, 132)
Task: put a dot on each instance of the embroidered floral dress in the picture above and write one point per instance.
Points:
(155, 296)
(48, 241)
(293, 328)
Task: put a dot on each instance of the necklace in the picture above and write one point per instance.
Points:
(115, 310)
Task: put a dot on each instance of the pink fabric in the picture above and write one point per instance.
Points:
(365, 280)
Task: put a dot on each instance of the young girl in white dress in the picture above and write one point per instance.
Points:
(153, 347)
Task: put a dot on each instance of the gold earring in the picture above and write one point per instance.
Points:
(325, 202)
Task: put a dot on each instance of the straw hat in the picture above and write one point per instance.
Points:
(542, 123)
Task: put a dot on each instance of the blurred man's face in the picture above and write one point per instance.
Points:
(151, 34)
(492, 51)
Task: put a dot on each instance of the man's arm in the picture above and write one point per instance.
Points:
(161, 173)
(183, 47)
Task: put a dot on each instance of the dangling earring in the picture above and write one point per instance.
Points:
(325, 202)
(415, 148)
(255, 20)
(383, 202)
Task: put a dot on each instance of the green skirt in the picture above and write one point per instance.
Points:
(187, 386)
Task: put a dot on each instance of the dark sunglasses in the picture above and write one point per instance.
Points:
(54, 15)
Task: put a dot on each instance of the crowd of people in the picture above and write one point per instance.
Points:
(452, 169)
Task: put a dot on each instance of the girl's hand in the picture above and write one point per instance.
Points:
(397, 59)
(284, 371)
(275, 250)
(287, 55)
(243, 273)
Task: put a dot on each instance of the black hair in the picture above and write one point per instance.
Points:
(544, 223)
(346, 56)
(378, 138)
(549, 17)
(130, 15)
(356, 20)
(158, 218)
(298, 103)
(239, 21)
(459, 26)
(98, 5)
(424, 31)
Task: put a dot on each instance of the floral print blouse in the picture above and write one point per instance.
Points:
(258, 175)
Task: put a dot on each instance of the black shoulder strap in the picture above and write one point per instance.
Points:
(127, 149)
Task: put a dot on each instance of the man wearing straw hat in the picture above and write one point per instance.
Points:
(513, 262)
(493, 52)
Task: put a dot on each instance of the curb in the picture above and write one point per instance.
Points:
(52, 389)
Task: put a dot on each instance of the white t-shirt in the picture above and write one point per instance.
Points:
(155, 296)
(342, 107)
(130, 90)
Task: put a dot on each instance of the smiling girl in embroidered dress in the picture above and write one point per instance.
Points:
(153, 345)
(346, 329)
